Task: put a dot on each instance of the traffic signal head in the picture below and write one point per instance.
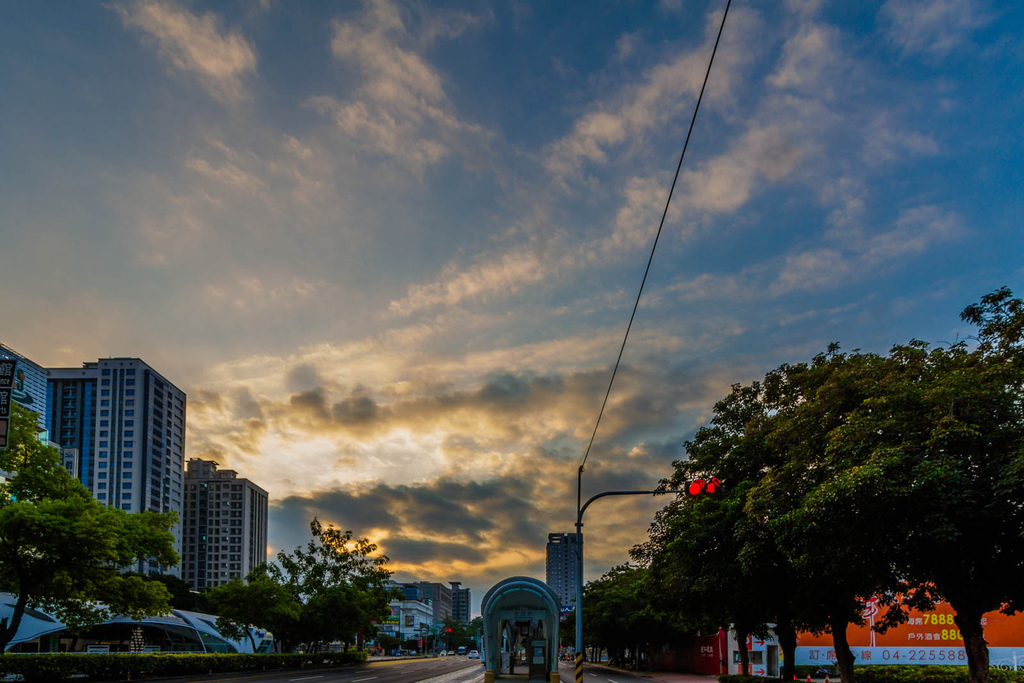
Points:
(699, 486)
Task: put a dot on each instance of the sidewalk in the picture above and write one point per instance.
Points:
(660, 676)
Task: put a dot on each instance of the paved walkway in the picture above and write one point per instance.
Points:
(659, 676)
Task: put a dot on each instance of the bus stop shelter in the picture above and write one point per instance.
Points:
(521, 612)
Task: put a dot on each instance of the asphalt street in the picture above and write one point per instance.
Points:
(441, 670)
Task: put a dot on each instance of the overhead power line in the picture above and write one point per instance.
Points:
(661, 225)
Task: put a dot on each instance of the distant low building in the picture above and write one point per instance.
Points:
(440, 597)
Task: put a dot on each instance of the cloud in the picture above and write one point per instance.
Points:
(726, 182)
(807, 57)
(219, 60)
(664, 92)
(932, 28)
(401, 109)
(858, 254)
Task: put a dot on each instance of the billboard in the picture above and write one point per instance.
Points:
(926, 638)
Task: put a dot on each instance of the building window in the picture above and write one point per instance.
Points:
(126, 496)
(130, 371)
(127, 444)
(129, 402)
(101, 496)
(103, 466)
(105, 371)
(101, 485)
(104, 423)
(104, 433)
(127, 465)
(105, 392)
(103, 444)
(129, 433)
(102, 475)
(105, 383)
(104, 413)
(105, 402)
(126, 506)
(129, 382)
(127, 454)
(129, 413)
(129, 423)
(129, 392)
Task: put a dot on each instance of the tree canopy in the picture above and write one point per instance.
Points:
(328, 591)
(63, 551)
(859, 475)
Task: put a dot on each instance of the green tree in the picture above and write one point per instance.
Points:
(943, 440)
(620, 616)
(258, 602)
(340, 584)
(63, 551)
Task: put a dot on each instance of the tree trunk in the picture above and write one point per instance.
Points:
(786, 633)
(10, 629)
(741, 640)
(844, 656)
(969, 623)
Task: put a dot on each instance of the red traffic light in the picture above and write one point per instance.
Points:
(699, 486)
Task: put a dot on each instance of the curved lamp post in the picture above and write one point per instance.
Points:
(579, 558)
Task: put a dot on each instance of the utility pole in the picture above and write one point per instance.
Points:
(579, 557)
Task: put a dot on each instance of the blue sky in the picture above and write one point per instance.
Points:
(389, 249)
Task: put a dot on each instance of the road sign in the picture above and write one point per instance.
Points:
(7, 373)
(6, 382)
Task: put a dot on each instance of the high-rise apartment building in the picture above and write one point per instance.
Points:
(561, 562)
(224, 525)
(127, 423)
(460, 603)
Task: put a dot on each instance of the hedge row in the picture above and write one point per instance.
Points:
(930, 674)
(115, 667)
(899, 674)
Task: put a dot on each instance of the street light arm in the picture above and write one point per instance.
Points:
(579, 558)
(579, 517)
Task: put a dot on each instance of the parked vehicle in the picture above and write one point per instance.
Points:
(473, 654)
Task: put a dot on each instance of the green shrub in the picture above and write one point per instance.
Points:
(105, 667)
(929, 674)
(737, 678)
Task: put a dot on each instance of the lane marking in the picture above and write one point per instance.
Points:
(307, 678)
(356, 680)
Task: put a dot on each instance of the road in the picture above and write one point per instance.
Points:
(441, 670)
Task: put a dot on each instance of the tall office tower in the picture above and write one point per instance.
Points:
(460, 602)
(440, 597)
(127, 423)
(224, 525)
(29, 387)
(560, 565)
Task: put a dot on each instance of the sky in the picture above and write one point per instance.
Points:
(389, 249)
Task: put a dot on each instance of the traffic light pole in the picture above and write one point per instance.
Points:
(579, 556)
